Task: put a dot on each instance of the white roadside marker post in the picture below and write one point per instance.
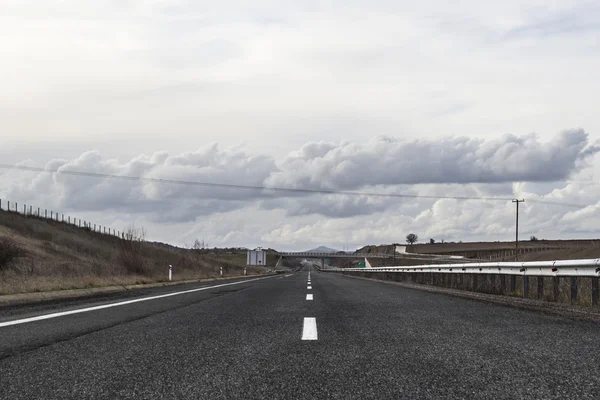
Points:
(244, 271)
(170, 272)
(221, 271)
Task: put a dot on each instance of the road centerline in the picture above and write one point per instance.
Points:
(309, 331)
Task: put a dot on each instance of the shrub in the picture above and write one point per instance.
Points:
(131, 250)
(9, 250)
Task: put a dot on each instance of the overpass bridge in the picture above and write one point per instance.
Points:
(397, 256)
(333, 255)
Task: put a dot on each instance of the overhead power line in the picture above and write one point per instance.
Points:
(275, 189)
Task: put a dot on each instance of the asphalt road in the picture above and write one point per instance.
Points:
(244, 340)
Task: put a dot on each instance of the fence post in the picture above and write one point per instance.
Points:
(0, 204)
(525, 286)
(46, 213)
(503, 284)
(30, 210)
(24, 209)
(16, 207)
(513, 283)
(540, 289)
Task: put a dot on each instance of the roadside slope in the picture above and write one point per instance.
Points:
(52, 256)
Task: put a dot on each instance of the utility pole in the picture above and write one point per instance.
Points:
(517, 201)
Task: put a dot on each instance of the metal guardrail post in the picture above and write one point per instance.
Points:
(540, 287)
(525, 286)
(595, 291)
(573, 289)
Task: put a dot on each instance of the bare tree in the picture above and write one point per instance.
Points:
(198, 245)
(411, 238)
(131, 254)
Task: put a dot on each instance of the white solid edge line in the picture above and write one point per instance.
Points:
(309, 297)
(122, 303)
(309, 331)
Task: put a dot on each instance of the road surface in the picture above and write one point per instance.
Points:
(274, 338)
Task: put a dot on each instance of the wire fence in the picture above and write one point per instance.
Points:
(30, 211)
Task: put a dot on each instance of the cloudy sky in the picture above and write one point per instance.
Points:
(472, 98)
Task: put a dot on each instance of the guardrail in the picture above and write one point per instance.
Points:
(565, 268)
(482, 277)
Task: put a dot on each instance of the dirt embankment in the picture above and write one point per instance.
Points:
(37, 254)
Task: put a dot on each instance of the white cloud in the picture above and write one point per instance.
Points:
(387, 161)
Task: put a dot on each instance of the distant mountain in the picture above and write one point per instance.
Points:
(322, 249)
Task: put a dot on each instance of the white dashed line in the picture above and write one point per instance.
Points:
(309, 297)
(309, 332)
(309, 287)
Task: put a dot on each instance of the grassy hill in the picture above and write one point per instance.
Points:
(530, 250)
(38, 254)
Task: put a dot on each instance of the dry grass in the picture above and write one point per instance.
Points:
(61, 256)
(539, 250)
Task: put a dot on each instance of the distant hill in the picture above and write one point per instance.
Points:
(322, 249)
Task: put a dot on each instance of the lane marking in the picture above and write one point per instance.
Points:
(287, 276)
(122, 303)
(309, 288)
(309, 332)
(309, 297)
